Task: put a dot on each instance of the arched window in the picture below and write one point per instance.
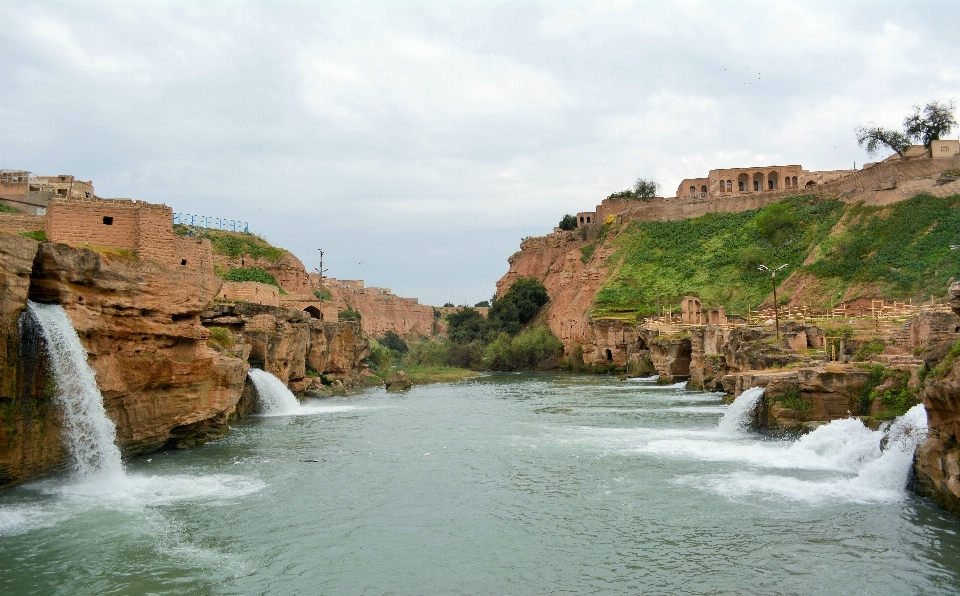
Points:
(794, 181)
(741, 186)
(703, 188)
(581, 221)
(693, 189)
(729, 185)
(588, 219)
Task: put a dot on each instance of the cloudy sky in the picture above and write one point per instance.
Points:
(417, 143)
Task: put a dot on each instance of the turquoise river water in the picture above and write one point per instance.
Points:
(506, 484)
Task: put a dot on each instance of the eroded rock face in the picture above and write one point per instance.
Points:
(139, 322)
(29, 424)
(937, 460)
(287, 342)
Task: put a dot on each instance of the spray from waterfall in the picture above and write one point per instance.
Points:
(275, 398)
(738, 416)
(88, 434)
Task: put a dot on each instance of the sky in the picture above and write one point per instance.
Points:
(417, 143)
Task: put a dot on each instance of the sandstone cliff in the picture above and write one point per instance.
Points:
(937, 462)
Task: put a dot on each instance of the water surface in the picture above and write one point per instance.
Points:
(508, 484)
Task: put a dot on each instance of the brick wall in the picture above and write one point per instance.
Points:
(77, 222)
(16, 222)
(251, 291)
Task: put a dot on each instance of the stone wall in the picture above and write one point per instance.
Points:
(250, 291)
(17, 222)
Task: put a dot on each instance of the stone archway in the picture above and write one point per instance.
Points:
(743, 182)
(314, 312)
(773, 181)
(758, 181)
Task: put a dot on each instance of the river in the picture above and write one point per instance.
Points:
(507, 484)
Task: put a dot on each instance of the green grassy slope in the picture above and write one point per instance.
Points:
(899, 251)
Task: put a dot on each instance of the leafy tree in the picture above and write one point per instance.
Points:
(482, 303)
(568, 222)
(348, 314)
(930, 122)
(874, 136)
(448, 305)
(645, 188)
(519, 305)
(394, 342)
(466, 325)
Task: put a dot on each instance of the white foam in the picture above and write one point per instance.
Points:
(737, 418)
(275, 398)
(135, 491)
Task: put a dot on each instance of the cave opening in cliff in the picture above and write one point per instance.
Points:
(609, 355)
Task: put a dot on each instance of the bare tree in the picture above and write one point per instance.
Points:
(645, 188)
(930, 122)
(874, 136)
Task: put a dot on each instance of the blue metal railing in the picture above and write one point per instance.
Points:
(204, 221)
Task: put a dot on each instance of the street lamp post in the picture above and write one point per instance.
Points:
(776, 306)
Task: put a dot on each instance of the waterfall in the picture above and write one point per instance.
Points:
(275, 398)
(738, 416)
(88, 434)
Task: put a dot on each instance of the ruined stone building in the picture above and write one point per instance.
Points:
(732, 181)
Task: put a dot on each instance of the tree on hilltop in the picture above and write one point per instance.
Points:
(568, 222)
(926, 124)
(646, 188)
(872, 137)
(930, 122)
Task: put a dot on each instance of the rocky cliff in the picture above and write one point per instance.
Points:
(937, 461)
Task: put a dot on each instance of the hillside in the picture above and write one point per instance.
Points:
(835, 253)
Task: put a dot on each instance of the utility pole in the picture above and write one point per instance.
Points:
(776, 307)
(321, 270)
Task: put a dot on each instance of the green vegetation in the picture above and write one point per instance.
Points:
(568, 222)
(903, 247)
(586, 252)
(249, 274)
(324, 295)
(394, 343)
(348, 314)
(420, 374)
(712, 256)
(643, 189)
(233, 244)
(878, 373)
(531, 349)
(220, 338)
(941, 369)
(6, 209)
(900, 251)
(870, 348)
(792, 399)
(522, 301)
(40, 235)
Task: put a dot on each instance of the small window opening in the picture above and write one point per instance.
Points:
(609, 355)
(183, 261)
(956, 329)
(107, 220)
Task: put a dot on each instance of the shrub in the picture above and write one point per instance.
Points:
(870, 348)
(249, 274)
(793, 400)
(220, 337)
(467, 325)
(40, 235)
(519, 305)
(941, 369)
(238, 244)
(568, 222)
(532, 349)
(394, 342)
(482, 303)
(348, 314)
(586, 252)
(776, 223)
(6, 209)
(380, 357)
(324, 295)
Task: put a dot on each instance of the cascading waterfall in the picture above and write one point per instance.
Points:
(275, 398)
(88, 434)
(737, 417)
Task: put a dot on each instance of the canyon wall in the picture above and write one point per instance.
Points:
(937, 461)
